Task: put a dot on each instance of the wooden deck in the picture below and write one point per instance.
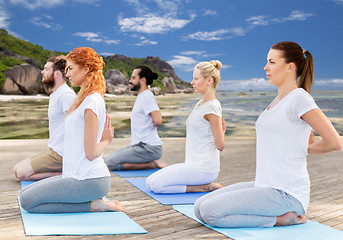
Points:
(162, 222)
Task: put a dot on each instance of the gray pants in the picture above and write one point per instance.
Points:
(244, 205)
(63, 195)
(137, 153)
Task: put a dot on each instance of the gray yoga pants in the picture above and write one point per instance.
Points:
(63, 195)
(244, 205)
(137, 153)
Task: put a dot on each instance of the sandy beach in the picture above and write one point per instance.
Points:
(237, 165)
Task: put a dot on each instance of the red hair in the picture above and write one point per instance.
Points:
(95, 81)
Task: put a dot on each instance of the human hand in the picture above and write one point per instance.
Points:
(108, 133)
(311, 139)
(223, 126)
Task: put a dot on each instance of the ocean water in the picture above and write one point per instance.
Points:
(241, 111)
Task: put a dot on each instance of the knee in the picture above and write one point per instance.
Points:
(206, 213)
(21, 174)
(25, 202)
(153, 185)
(197, 210)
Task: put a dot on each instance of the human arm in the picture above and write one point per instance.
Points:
(218, 127)
(331, 141)
(92, 148)
(156, 118)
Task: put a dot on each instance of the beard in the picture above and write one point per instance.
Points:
(50, 81)
(136, 87)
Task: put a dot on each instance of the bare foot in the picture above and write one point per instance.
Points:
(148, 165)
(214, 186)
(203, 188)
(290, 218)
(159, 164)
(101, 205)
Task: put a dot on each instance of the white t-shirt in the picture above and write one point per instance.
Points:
(201, 151)
(142, 127)
(60, 101)
(75, 163)
(282, 146)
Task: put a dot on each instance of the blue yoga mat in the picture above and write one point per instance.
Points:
(136, 173)
(310, 230)
(25, 183)
(89, 223)
(166, 199)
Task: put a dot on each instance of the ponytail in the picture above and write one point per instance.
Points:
(306, 78)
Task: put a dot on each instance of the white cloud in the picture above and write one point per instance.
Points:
(263, 20)
(187, 63)
(46, 21)
(95, 2)
(209, 13)
(297, 15)
(96, 37)
(216, 35)
(106, 54)
(245, 85)
(339, 2)
(4, 19)
(258, 20)
(181, 61)
(35, 4)
(154, 17)
(328, 84)
(193, 53)
(208, 36)
(253, 21)
(335, 81)
(261, 84)
(144, 41)
(151, 24)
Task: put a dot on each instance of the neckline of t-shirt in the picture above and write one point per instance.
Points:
(205, 102)
(282, 100)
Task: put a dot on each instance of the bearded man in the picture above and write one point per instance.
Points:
(49, 163)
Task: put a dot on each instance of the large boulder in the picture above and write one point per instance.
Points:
(169, 84)
(118, 89)
(115, 77)
(23, 79)
(156, 91)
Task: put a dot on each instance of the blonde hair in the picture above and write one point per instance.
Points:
(210, 69)
(95, 81)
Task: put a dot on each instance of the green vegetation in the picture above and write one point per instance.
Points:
(24, 48)
(127, 68)
(39, 54)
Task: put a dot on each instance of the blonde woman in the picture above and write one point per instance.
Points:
(204, 140)
(85, 177)
(280, 194)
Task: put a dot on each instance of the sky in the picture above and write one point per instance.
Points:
(239, 33)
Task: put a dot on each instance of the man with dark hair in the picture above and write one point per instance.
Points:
(146, 145)
(49, 163)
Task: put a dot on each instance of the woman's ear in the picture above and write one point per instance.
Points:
(291, 67)
(86, 69)
(210, 81)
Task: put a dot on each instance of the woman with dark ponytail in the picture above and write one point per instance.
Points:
(280, 194)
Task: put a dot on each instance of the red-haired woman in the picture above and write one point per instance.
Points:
(85, 177)
(280, 193)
